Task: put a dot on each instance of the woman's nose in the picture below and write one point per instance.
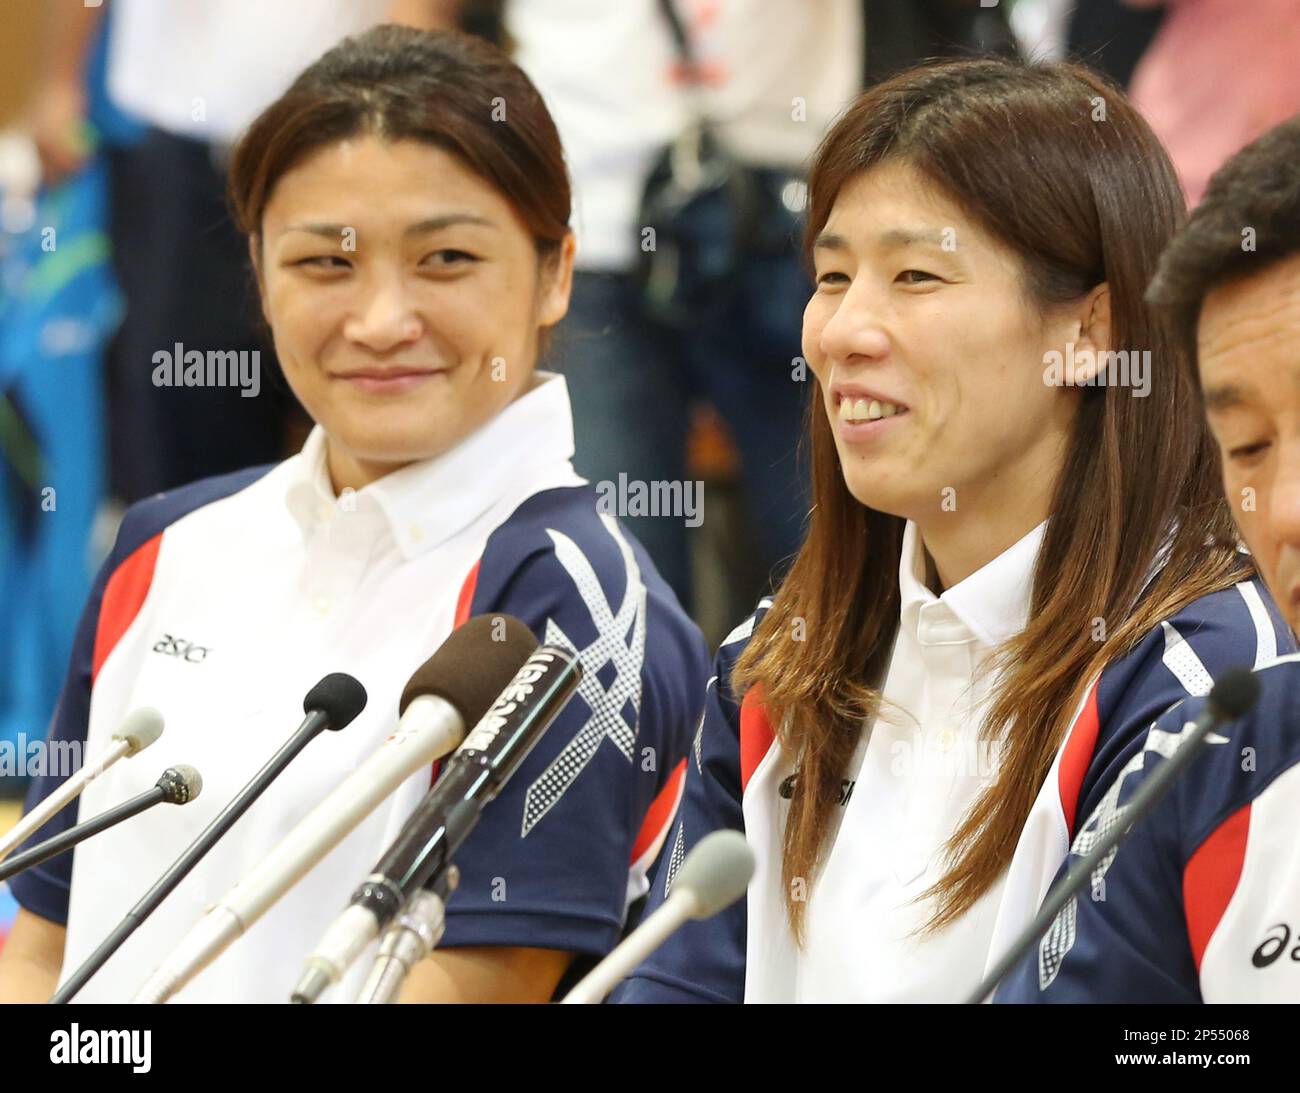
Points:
(855, 330)
(384, 319)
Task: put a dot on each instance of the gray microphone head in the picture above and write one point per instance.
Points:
(180, 784)
(717, 871)
(1234, 693)
(140, 728)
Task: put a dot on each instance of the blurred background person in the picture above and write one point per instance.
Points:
(1110, 35)
(1216, 76)
(1208, 75)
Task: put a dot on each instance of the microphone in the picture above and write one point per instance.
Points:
(451, 689)
(714, 875)
(332, 704)
(449, 812)
(177, 786)
(1232, 697)
(138, 730)
(410, 937)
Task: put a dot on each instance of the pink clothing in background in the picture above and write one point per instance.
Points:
(1218, 74)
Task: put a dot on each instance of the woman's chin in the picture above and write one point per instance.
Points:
(865, 487)
(387, 448)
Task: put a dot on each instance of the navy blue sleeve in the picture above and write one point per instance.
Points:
(1139, 931)
(704, 960)
(1125, 937)
(1122, 938)
(1236, 627)
(43, 889)
(548, 864)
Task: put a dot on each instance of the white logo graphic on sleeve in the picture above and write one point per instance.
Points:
(675, 857)
(1059, 940)
(620, 643)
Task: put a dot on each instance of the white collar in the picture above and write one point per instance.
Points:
(991, 605)
(428, 502)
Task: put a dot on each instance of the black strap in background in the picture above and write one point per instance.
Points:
(681, 40)
(23, 469)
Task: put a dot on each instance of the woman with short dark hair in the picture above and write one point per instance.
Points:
(406, 206)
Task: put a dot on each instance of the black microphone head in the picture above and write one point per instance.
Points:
(180, 784)
(472, 667)
(339, 696)
(1234, 693)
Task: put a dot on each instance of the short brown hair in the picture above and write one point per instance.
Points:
(1254, 197)
(443, 88)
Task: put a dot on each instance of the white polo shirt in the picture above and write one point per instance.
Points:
(917, 770)
(226, 601)
(916, 773)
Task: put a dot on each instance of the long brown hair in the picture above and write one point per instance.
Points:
(1057, 164)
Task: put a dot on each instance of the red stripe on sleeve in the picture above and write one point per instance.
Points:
(124, 595)
(661, 811)
(756, 734)
(466, 597)
(1080, 743)
(1210, 877)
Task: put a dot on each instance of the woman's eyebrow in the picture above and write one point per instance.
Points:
(420, 227)
(906, 237)
(830, 241)
(894, 237)
(447, 220)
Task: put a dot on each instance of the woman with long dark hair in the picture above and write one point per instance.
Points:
(406, 206)
(1017, 555)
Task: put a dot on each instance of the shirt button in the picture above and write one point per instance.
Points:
(323, 605)
(416, 532)
(946, 740)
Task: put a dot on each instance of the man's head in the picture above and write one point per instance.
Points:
(1231, 278)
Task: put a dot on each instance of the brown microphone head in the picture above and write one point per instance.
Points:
(472, 667)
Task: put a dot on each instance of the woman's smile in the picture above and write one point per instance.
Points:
(396, 380)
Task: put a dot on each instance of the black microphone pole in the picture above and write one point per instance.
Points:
(1233, 695)
(177, 786)
(473, 776)
(331, 704)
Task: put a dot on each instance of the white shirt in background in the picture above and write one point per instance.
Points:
(206, 68)
(779, 70)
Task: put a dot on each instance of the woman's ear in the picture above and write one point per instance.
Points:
(556, 283)
(1094, 334)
